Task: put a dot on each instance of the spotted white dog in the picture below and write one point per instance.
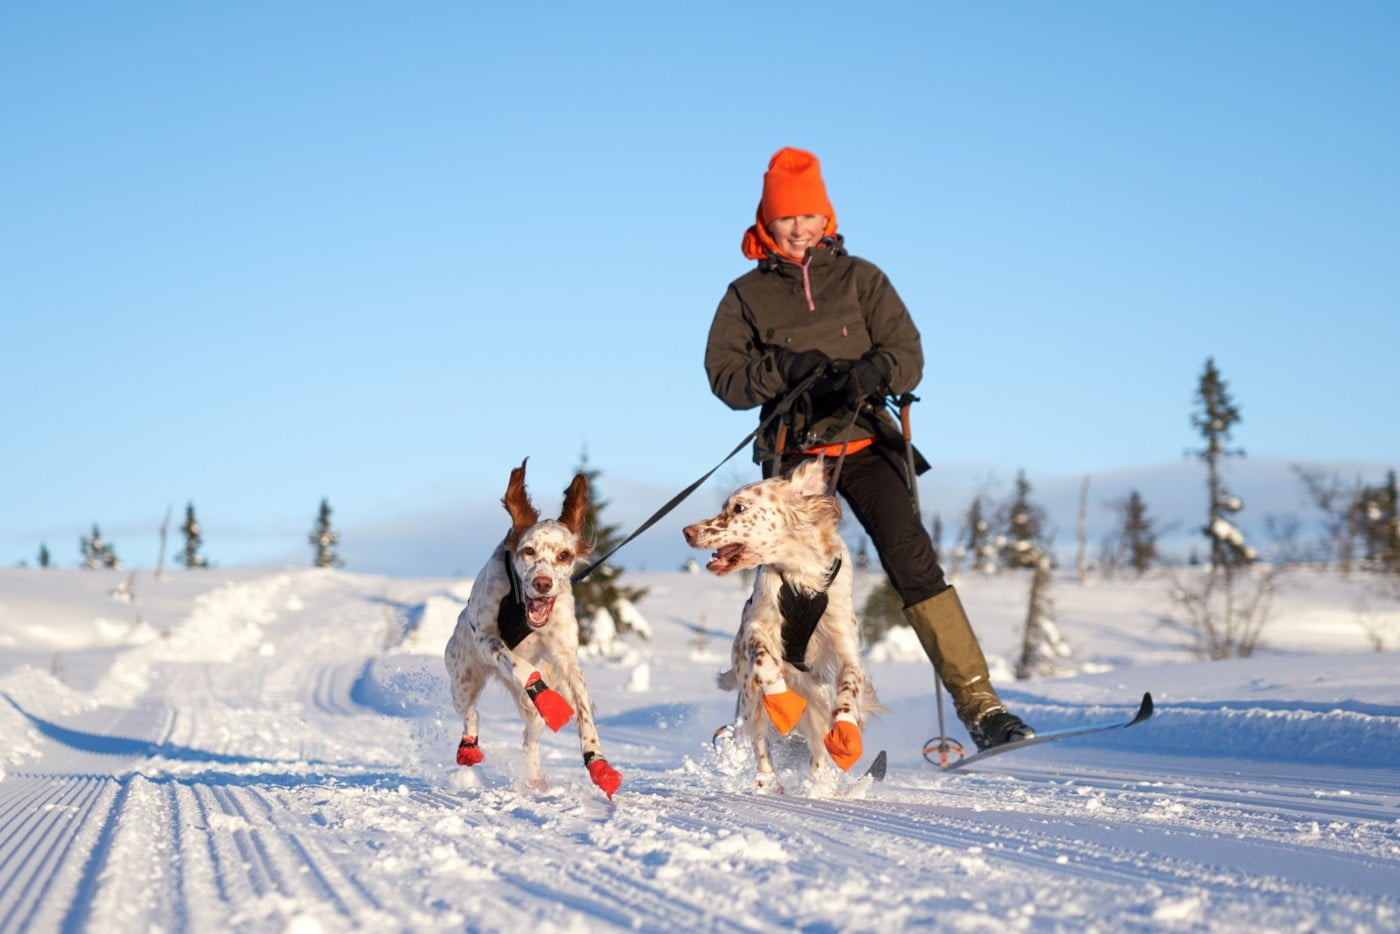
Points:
(797, 652)
(520, 620)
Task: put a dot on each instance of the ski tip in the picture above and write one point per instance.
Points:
(877, 767)
(1145, 710)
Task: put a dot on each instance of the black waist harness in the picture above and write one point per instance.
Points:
(801, 611)
(510, 618)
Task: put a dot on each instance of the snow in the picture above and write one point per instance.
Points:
(274, 752)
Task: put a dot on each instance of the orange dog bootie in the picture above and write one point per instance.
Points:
(844, 742)
(784, 706)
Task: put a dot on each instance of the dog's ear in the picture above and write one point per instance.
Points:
(517, 502)
(809, 477)
(575, 505)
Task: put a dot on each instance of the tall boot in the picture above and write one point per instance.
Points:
(948, 640)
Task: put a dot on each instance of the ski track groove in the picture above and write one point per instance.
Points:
(81, 904)
(52, 817)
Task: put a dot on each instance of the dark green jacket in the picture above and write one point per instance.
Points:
(844, 306)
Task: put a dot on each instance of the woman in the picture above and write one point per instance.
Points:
(812, 312)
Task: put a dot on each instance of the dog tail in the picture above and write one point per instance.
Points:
(727, 680)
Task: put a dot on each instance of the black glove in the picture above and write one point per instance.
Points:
(795, 366)
(856, 379)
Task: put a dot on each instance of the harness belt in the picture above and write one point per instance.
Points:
(510, 618)
(801, 612)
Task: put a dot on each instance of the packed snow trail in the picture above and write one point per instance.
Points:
(281, 759)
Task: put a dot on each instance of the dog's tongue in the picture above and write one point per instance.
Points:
(723, 560)
(539, 610)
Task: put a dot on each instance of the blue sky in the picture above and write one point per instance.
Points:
(255, 254)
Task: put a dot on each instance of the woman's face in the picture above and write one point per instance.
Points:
(794, 235)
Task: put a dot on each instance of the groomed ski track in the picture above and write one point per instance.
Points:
(273, 790)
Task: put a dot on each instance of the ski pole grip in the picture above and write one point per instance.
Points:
(904, 421)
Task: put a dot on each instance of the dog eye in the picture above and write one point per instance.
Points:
(738, 508)
(566, 557)
(527, 552)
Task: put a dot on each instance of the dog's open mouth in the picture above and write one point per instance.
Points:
(725, 558)
(537, 610)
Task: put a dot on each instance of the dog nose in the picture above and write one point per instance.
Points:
(541, 584)
(689, 533)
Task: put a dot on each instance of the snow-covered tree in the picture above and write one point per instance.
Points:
(1043, 649)
(883, 611)
(1214, 418)
(603, 588)
(976, 537)
(323, 540)
(1024, 523)
(98, 553)
(190, 557)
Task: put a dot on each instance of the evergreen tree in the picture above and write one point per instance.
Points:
(1042, 646)
(1025, 527)
(936, 537)
(43, 555)
(1137, 541)
(1214, 418)
(191, 557)
(883, 611)
(324, 540)
(98, 553)
(602, 589)
(976, 535)
(1379, 510)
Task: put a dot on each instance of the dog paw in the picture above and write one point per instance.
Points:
(784, 707)
(768, 785)
(549, 702)
(605, 776)
(538, 783)
(469, 753)
(844, 744)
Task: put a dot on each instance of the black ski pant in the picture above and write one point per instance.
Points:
(873, 484)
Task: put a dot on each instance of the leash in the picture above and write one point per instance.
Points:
(780, 409)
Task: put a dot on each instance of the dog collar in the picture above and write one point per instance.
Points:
(801, 612)
(510, 618)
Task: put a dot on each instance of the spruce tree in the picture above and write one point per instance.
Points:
(43, 555)
(1138, 541)
(602, 589)
(1214, 418)
(1379, 510)
(976, 535)
(98, 553)
(1025, 527)
(323, 539)
(190, 557)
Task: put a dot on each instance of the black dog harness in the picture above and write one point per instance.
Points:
(510, 618)
(801, 612)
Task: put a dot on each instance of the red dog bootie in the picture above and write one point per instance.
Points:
(784, 705)
(549, 702)
(844, 742)
(604, 776)
(468, 753)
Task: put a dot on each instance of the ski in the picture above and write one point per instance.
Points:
(1144, 711)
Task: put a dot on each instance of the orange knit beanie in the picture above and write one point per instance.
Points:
(792, 185)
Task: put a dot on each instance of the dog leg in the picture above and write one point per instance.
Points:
(534, 728)
(466, 689)
(784, 705)
(844, 740)
(602, 773)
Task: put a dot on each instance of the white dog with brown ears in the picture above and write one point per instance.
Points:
(797, 652)
(520, 619)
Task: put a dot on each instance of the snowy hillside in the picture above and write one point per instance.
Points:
(225, 750)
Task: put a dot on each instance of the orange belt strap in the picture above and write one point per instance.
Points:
(834, 450)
